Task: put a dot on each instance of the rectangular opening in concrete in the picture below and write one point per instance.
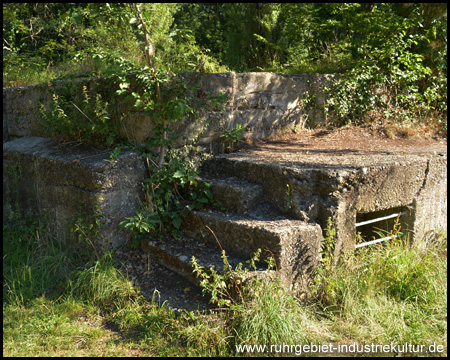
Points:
(379, 226)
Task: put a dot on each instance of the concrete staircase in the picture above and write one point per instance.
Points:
(245, 223)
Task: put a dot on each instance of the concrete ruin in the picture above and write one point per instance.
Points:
(62, 182)
(279, 203)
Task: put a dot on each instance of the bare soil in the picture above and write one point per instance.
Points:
(157, 282)
(356, 139)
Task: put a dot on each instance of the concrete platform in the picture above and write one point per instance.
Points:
(317, 185)
(276, 200)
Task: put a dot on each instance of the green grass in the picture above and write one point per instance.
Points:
(390, 293)
(56, 304)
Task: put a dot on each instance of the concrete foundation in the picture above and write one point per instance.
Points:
(321, 186)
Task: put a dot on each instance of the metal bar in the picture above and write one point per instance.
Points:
(377, 241)
(379, 219)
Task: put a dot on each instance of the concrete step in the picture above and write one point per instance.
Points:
(294, 244)
(176, 255)
(235, 194)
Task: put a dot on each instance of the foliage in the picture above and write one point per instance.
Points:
(227, 288)
(391, 57)
(231, 137)
(393, 280)
(44, 41)
(260, 310)
(75, 115)
(365, 94)
(392, 80)
(385, 294)
(88, 233)
(172, 191)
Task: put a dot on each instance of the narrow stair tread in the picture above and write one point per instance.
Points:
(263, 216)
(181, 251)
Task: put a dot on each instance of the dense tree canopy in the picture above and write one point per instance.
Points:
(398, 47)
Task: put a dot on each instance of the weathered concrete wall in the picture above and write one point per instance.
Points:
(263, 103)
(59, 182)
(430, 202)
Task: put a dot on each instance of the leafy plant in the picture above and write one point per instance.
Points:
(227, 288)
(79, 117)
(231, 137)
(172, 191)
(143, 222)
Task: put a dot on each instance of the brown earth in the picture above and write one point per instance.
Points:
(181, 294)
(350, 138)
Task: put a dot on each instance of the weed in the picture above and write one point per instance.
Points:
(289, 199)
(79, 117)
(232, 137)
(260, 309)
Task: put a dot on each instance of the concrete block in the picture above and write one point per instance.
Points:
(60, 181)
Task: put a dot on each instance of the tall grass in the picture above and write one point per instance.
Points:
(33, 262)
(271, 315)
(388, 293)
(53, 304)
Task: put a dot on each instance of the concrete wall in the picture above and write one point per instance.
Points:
(61, 181)
(430, 203)
(263, 103)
